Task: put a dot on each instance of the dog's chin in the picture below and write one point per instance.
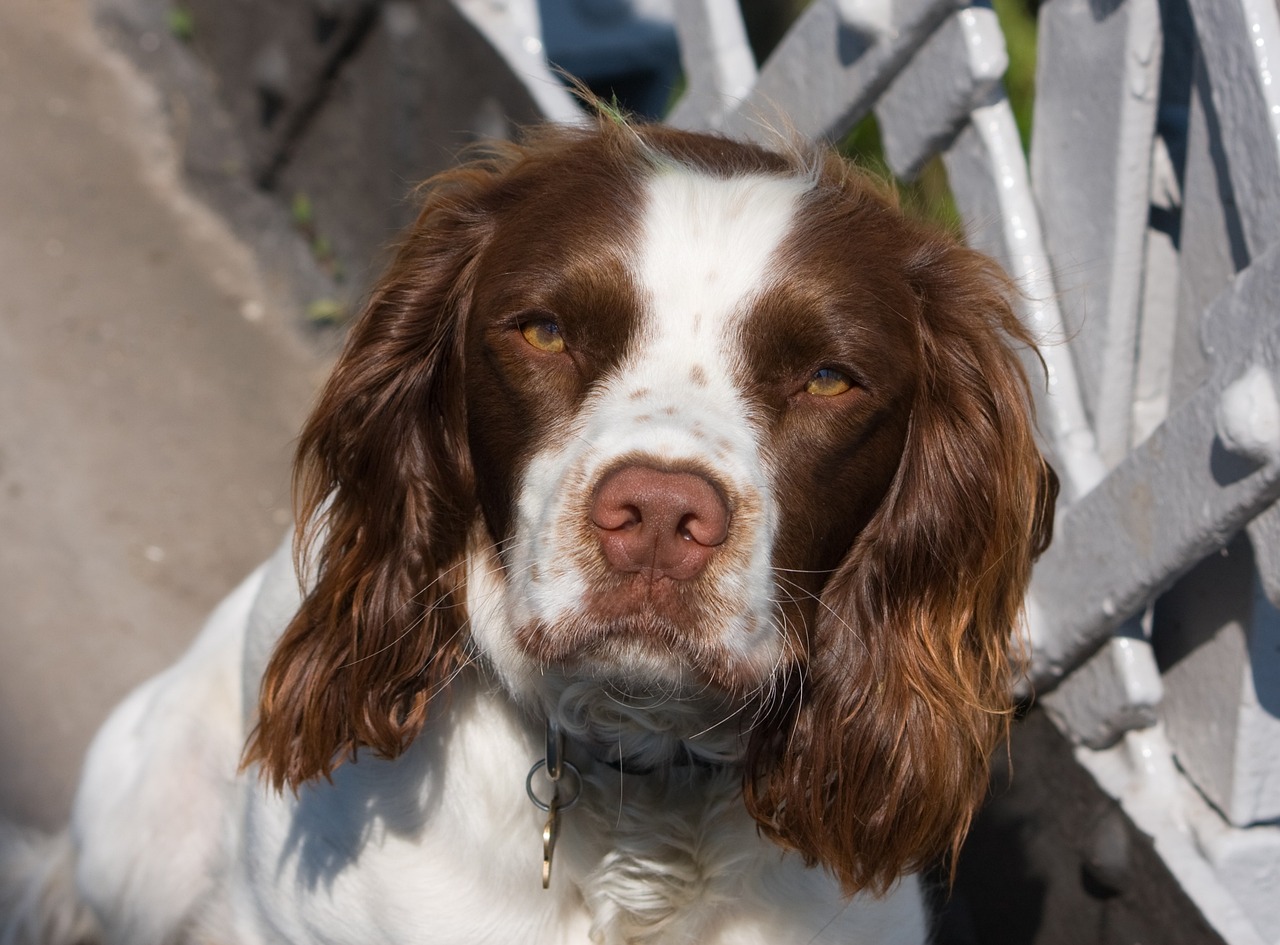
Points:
(644, 654)
(642, 692)
(641, 719)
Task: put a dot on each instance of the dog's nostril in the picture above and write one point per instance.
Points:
(663, 523)
(706, 529)
(614, 516)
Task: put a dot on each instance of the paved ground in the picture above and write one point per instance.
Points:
(149, 392)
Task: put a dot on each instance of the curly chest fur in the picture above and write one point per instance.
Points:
(660, 857)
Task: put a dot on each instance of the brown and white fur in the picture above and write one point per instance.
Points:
(706, 453)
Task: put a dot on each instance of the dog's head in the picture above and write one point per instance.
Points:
(689, 417)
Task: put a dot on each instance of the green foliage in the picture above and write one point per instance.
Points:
(927, 197)
(1019, 26)
(612, 109)
(181, 23)
(326, 312)
(302, 211)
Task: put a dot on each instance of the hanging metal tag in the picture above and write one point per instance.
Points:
(549, 841)
(556, 766)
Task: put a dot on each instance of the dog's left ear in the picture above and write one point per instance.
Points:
(877, 764)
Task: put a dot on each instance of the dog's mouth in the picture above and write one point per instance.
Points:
(660, 605)
(646, 648)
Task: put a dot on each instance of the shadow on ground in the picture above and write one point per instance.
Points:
(1052, 860)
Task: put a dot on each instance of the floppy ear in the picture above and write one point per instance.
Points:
(385, 499)
(879, 761)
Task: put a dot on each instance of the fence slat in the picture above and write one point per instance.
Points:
(1240, 45)
(514, 29)
(1097, 80)
(988, 175)
(1115, 691)
(1158, 321)
(832, 65)
(1264, 533)
(1220, 636)
(1174, 499)
(954, 72)
(719, 67)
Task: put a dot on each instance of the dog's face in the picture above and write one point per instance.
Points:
(686, 397)
(655, 411)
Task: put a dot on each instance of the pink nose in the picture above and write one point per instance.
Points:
(666, 524)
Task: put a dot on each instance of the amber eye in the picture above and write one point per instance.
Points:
(827, 382)
(543, 334)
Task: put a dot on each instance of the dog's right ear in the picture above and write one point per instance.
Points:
(385, 499)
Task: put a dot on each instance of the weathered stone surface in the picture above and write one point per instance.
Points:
(151, 381)
(213, 156)
(412, 85)
(403, 105)
(274, 59)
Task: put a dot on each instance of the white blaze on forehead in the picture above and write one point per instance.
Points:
(706, 247)
(703, 252)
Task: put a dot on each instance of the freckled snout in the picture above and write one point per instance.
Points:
(659, 523)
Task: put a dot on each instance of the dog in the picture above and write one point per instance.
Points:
(663, 527)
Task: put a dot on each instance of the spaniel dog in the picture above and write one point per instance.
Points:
(662, 531)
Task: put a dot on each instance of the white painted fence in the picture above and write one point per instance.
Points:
(1154, 614)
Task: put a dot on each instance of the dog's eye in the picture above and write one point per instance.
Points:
(828, 382)
(543, 334)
